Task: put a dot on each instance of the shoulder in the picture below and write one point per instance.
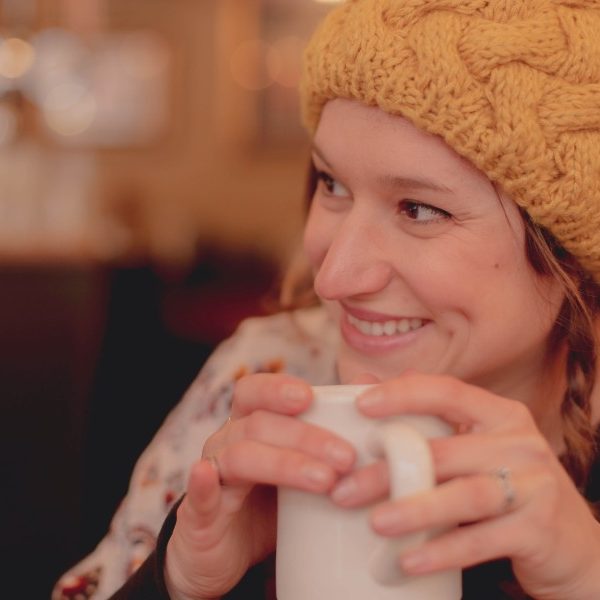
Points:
(302, 343)
(296, 341)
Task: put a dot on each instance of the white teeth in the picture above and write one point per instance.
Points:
(363, 326)
(415, 323)
(391, 327)
(404, 326)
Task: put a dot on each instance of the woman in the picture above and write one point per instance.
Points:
(453, 243)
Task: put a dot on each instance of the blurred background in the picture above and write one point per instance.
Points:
(152, 166)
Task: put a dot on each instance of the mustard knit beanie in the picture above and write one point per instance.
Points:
(511, 85)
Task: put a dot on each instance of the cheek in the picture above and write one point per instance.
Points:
(474, 280)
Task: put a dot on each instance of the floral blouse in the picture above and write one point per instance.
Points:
(302, 343)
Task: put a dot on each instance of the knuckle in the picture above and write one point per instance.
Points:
(254, 423)
(538, 451)
(518, 413)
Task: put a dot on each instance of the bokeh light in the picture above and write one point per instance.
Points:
(16, 58)
(284, 61)
(145, 56)
(69, 109)
(248, 65)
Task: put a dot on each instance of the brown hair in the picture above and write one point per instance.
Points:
(573, 330)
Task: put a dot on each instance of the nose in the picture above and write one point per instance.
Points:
(356, 262)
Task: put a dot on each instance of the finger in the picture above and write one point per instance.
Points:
(462, 500)
(285, 432)
(201, 503)
(446, 397)
(270, 391)
(466, 546)
(249, 461)
(363, 486)
(453, 457)
(465, 454)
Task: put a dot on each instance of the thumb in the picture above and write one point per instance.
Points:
(200, 506)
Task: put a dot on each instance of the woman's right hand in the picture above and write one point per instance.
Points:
(227, 520)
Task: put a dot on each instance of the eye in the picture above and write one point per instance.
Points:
(421, 212)
(331, 185)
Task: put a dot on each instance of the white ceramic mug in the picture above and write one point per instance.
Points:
(325, 552)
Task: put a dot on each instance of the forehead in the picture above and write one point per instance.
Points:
(375, 142)
(367, 148)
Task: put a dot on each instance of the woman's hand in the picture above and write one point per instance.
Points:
(227, 520)
(536, 517)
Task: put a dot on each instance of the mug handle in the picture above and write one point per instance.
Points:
(411, 470)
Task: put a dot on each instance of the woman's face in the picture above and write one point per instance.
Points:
(419, 260)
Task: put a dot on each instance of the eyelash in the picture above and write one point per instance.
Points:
(404, 206)
(327, 180)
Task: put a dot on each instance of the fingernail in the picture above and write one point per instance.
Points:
(345, 490)
(294, 395)
(414, 563)
(316, 474)
(370, 398)
(340, 455)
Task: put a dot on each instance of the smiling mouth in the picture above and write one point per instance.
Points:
(385, 328)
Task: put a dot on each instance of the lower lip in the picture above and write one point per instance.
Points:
(372, 344)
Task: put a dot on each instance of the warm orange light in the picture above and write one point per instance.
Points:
(16, 58)
(69, 109)
(248, 65)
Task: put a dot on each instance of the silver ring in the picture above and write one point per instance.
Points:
(212, 459)
(503, 476)
(215, 465)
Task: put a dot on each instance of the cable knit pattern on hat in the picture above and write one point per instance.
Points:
(511, 85)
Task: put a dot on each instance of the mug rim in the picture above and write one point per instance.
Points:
(339, 393)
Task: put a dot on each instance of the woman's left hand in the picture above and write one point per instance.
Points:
(535, 517)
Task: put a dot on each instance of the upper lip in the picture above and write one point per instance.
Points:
(369, 315)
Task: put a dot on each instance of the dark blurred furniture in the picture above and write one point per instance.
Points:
(50, 328)
(91, 361)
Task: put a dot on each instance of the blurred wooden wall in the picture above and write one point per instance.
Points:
(207, 180)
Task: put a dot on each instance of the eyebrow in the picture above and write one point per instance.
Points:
(396, 181)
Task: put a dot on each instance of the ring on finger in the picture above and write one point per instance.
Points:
(212, 459)
(503, 477)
